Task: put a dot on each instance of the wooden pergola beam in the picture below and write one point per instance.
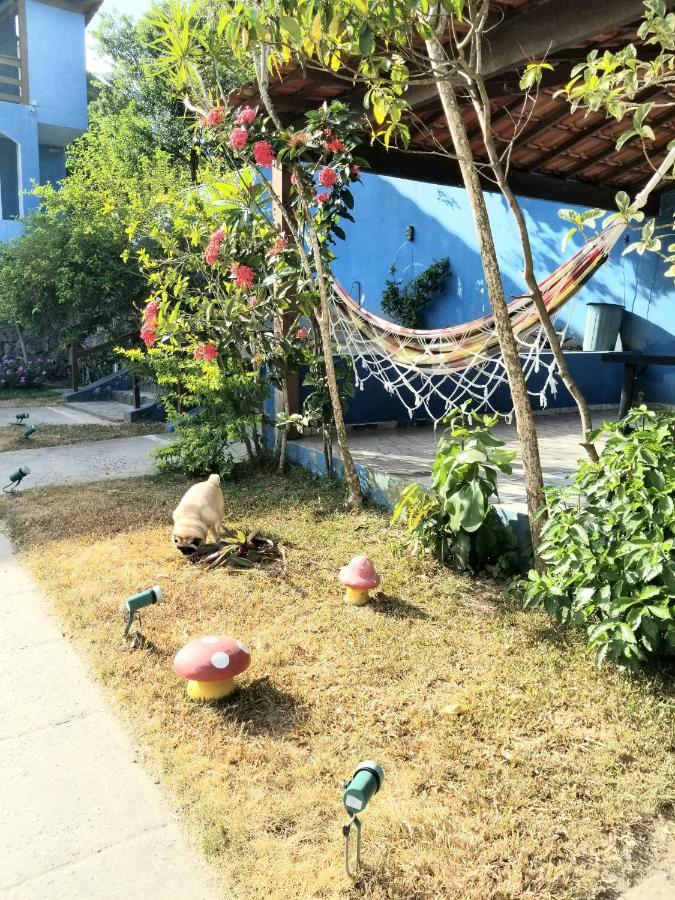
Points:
(539, 32)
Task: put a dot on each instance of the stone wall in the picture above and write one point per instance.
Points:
(44, 346)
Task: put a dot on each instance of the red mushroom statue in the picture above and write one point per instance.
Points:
(210, 665)
(359, 577)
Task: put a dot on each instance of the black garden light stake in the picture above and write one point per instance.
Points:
(15, 479)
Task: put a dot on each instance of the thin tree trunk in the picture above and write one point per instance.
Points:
(282, 433)
(22, 344)
(483, 110)
(534, 483)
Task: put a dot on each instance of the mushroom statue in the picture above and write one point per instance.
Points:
(359, 577)
(210, 664)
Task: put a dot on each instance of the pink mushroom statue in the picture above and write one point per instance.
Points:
(210, 664)
(359, 577)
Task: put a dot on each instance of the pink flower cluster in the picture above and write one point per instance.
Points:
(213, 247)
(246, 116)
(335, 146)
(323, 197)
(279, 246)
(302, 334)
(263, 153)
(244, 276)
(206, 352)
(238, 138)
(213, 117)
(328, 177)
(149, 326)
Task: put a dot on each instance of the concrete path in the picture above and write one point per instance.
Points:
(64, 414)
(92, 461)
(79, 817)
(106, 410)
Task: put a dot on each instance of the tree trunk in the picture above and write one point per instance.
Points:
(282, 433)
(534, 484)
(483, 111)
(22, 344)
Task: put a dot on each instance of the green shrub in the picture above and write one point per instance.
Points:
(199, 449)
(609, 543)
(455, 519)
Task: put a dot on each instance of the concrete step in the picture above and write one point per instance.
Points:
(127, 397)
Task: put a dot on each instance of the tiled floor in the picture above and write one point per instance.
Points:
(408, 451)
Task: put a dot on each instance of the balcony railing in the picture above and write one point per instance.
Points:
(12, 81)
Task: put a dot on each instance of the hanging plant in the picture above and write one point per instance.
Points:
(408, 305)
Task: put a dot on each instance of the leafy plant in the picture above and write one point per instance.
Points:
(456, 519)
(609, 542)
(408, 305)
(18, 373)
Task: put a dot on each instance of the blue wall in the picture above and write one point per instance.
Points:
(385, 206)
(19, 123)
(56, 66)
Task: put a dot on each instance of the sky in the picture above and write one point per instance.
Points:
(135, 8)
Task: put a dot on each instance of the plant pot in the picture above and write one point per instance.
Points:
(603, 321)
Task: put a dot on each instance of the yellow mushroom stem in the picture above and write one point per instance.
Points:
(357, 596)
(210, 690)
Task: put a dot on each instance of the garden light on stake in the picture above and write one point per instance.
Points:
(16, 478)
(138, 602)
(358, 793)
(21, 417)
(30, 430)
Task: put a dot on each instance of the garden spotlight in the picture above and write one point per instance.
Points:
(358, 793)
(30, 430)
(138, 601)
(15, 479)
(21, 417)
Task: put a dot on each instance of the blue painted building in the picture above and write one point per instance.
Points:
(443, 227)
(43, 96)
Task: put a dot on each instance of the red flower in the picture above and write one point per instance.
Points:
(246, 116)
(244, 276)
(354, 171)
(238, 138)
(206, 352)
(279, 246)
(253, 302)
(335, 146)
(263, 153)
(148, 334)
(213, 117)
(301, 334)
(321, 198)
(327, 177)
(213, 247)
(328, 132)
(151, 311)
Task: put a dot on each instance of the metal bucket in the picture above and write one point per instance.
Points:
(603, 322)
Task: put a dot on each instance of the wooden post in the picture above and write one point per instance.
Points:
(136, 388)
(74, 368)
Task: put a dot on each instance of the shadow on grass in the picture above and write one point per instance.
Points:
(263, 708)
(397, 608)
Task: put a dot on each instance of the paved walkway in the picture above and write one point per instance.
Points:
(64, 414)
(79, 818)
(408, 452)
(92, 461)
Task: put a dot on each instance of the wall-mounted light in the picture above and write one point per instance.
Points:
(410, 233)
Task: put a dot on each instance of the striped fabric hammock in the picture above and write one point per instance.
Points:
(436, 369)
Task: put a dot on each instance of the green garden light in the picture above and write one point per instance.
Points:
(30, 430)
(138, 602)
(15, 479)
(21, 417)
(365, 783)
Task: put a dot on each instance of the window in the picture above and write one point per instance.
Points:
(9, 179)
(12, 69)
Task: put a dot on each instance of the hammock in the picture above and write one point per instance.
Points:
(436, 369)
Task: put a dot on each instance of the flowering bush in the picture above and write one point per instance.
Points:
(17, 373)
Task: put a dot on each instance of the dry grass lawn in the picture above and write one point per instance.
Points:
(37, 396)
(549, 784)
(11, 436)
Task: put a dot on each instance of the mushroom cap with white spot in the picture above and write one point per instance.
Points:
(212, 658)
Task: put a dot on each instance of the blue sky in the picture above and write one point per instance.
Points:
(135, 8)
